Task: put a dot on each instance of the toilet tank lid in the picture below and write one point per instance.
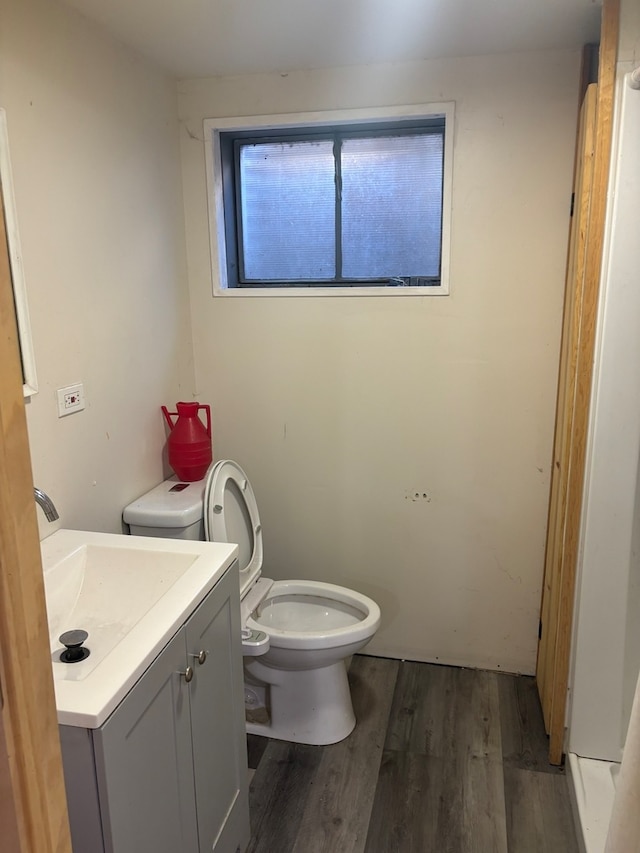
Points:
(171, 504)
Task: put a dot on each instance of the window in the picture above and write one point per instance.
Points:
(333, 207)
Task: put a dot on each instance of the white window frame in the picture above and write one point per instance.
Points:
(212, 130)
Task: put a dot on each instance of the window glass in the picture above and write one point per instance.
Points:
(391, 206)
(287, 192)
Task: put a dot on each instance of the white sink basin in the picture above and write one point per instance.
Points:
(131, 594)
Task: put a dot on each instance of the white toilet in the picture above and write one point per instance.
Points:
(297, 635)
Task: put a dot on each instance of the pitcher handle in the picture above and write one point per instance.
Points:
(207, 409)
(167, 416)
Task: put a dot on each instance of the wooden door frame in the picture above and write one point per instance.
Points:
(36, 811)
(561, 558)
(557, 573)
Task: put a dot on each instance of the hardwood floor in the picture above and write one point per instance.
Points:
(442, 760)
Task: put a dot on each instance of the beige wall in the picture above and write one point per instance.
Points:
(341, 408)
(629, 40)
(94, 143)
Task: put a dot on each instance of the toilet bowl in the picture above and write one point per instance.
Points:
(297, 634)
(311, 627)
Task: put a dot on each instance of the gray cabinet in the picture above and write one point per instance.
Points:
(167, 772)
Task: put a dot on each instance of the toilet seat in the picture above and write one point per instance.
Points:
(299, 614)
(231, 515)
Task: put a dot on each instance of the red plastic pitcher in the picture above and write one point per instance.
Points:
(189, 442)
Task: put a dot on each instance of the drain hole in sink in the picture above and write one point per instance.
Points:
(75, 656)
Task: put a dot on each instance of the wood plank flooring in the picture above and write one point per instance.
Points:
(442, 760)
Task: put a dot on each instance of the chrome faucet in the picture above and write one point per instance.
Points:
(43, 500)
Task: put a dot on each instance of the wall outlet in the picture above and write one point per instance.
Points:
(70, 399)
(417, 495)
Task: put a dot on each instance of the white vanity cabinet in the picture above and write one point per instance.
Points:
(167, 771)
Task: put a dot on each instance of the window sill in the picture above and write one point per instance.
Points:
(239, 292)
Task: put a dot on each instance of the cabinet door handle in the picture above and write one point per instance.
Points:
(201, 656)
(188, 674)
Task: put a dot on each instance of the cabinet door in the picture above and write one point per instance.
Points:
(217, 719)
(144, 763)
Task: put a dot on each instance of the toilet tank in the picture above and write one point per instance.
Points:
(172, 510)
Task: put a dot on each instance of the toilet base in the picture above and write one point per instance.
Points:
(311, 706)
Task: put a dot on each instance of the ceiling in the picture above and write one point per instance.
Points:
(202, 38)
